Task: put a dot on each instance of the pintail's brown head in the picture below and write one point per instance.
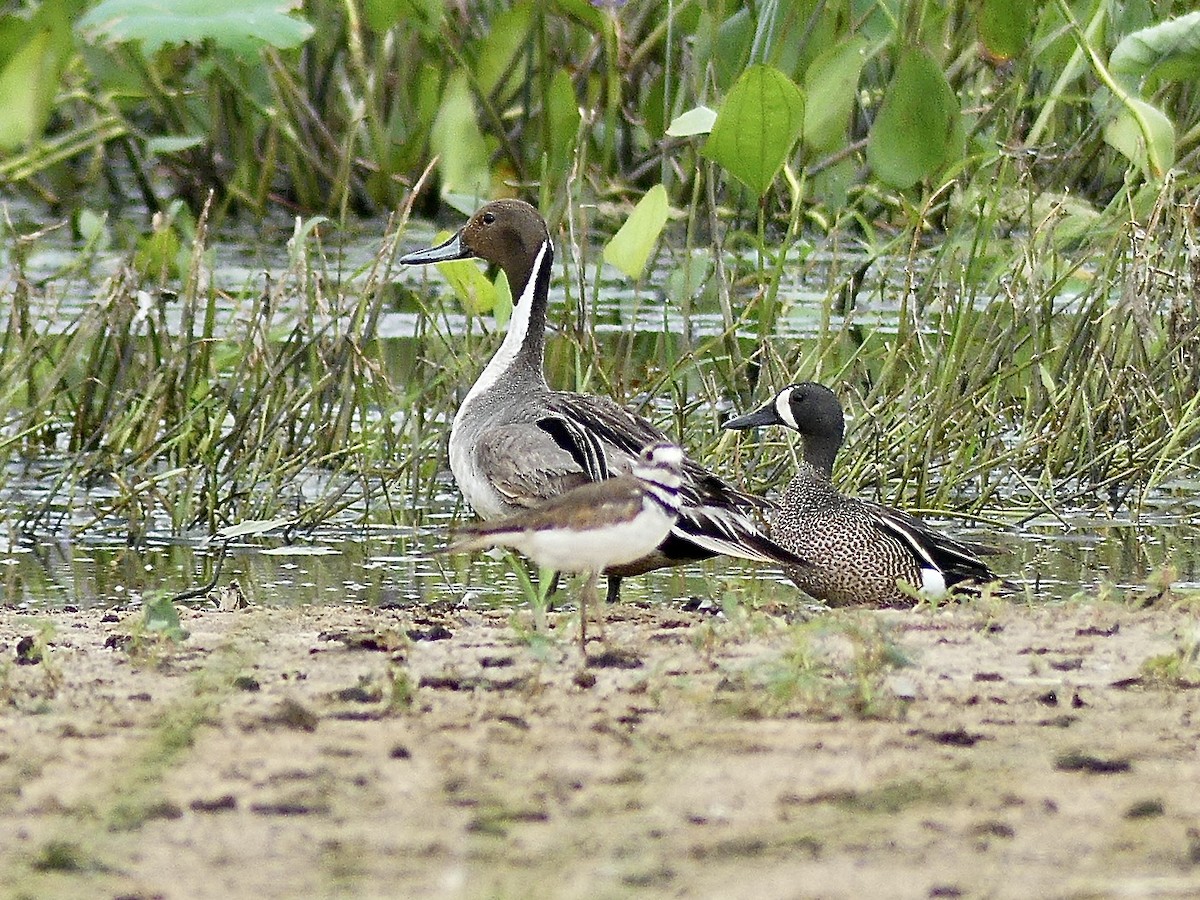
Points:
(506, 233)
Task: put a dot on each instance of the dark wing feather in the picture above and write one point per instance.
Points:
(629, 433)
(731, 533)
(956, 560)
(713, 515)
(583, 445)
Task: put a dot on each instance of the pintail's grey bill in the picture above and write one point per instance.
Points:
(451, 249)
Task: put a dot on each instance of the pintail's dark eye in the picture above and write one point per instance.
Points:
(489, 219)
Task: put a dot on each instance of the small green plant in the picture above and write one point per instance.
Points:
(61, 856)
(1181, 667)
(537, 594)
(402, 691)
(833, 664)
(160, 618)
(836, 665)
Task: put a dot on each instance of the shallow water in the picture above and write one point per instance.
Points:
(393, 566)
(381, 565)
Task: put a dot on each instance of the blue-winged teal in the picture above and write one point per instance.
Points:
(595, 526)
(515, 443)
(859, 550)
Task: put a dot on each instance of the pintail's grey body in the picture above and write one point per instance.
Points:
(516, 444)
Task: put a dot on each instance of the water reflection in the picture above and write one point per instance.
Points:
(402, 567)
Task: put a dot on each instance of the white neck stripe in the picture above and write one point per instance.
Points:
(518, 327)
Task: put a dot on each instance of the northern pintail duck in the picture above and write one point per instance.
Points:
(594, 526)
(515, 443)
(860, 550)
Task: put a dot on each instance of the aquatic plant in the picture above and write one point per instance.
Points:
(335, 107)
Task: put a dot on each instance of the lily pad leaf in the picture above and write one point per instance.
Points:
(831, 85)
(1004, 27)
(1145, 136)
(241, 26)
(423, 15)
(460, 147)
(1169, 50)
(695, 121)
(586, 14)
(757, 127)
(468, 281)
(23, 113)
(630, 248)
(562, 112)
(918, 129)
(254, 526)
(33, 55)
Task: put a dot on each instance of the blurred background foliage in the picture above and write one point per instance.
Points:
(858, 110)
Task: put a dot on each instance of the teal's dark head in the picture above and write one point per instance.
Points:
(809, 408)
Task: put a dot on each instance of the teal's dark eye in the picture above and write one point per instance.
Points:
(489, 219)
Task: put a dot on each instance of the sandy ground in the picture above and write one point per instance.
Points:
(987, 750)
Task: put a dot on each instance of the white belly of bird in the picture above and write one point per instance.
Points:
(593, 549)
(485, 500)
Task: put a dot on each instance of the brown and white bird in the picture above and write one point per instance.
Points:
(860, 552)
(515, 443)
(594, 526)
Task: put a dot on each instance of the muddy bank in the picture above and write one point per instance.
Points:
(989, 750)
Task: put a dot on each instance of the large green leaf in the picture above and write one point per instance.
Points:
(1004, 27)
(563, 117)
(423, 15)
(502, 58)
(240, 26)
(757, 127)
(918, 129)
(697, 120)
(731, 47)
(459, 145)
(830, 87)
(584, 13)
(468, 281)
(23, 111)
(33, 54)
(1148, 143)
(1169, 50)
(630, 248)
